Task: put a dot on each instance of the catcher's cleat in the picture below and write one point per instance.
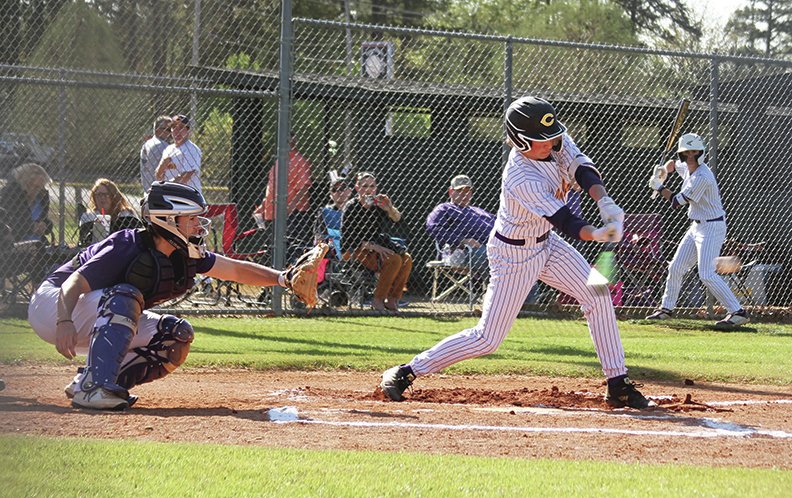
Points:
(70, 389)
(99, 399)
(660, 314)
(733, 320)
(622, 393)
(396, 380)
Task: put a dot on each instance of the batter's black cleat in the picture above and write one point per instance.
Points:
(622, 392)
(396, 380)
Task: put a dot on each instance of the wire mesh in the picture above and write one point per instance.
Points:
(83, 84)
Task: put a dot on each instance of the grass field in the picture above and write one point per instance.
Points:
(669, 351)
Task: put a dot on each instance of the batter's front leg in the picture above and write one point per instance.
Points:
(513, 272)
(567, 270)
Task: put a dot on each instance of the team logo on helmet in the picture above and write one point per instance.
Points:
(531, 119)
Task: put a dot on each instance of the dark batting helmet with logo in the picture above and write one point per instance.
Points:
(166, 201)
(531, 119)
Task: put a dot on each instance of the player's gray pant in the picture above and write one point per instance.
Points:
(702, 243)
(513, 272)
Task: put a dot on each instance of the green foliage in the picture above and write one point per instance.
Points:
(79, 38)
(762, 28)
(214, 138)
(36, 466)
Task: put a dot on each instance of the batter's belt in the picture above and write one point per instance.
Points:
(522, 242)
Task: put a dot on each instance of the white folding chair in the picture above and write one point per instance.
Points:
(455, 273)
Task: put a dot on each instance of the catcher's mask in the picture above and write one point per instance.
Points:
(168, 200)
(531, 119)
(691, 141)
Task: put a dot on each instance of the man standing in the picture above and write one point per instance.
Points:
(151, 152)
(181, 161)
(704, 238)
(461, 225)
(298, 198)
(543, 163)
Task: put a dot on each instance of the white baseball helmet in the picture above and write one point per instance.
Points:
(691, 141)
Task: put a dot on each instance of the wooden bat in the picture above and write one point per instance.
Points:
(679, 119)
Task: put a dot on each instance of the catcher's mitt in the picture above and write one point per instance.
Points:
(301, 276)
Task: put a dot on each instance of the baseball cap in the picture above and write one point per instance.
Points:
(185, 120)
(461, 181)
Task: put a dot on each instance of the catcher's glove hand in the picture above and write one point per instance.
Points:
(301, 276)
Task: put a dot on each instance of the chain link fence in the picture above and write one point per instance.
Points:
(80, 92)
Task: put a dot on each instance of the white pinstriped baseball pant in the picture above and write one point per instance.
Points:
(513, 272)
(702, 242)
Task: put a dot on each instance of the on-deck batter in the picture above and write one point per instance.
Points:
(703, 240)
(543, 165)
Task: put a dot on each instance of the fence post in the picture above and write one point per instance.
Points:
(284, 125)
(507, 89)
(62, 160)
(713, 111)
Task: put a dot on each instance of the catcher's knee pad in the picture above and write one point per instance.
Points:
(120, 308)
(162, 355)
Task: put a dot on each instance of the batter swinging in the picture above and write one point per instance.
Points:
(543, 165)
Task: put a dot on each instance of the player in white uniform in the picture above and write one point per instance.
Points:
(542, 166)
(703, 240)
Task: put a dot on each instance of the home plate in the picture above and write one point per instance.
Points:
(283, 414)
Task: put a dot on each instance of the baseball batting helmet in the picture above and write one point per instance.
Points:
(167, 200)
(691, 141)
(531, 119)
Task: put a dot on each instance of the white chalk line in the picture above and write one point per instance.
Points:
(728, 429)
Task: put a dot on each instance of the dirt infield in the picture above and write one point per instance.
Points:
(514, 416)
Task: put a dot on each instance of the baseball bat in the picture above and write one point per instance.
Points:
(679, 119)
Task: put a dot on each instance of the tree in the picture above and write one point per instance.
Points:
(763, 28)
(648, 17)
(96, 120)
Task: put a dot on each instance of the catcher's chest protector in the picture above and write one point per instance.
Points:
(159, 277)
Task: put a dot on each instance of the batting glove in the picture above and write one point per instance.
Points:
(655, 183)
(612, 232)
(609, 211)
(660, 172)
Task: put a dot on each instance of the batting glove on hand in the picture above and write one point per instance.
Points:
(660, 172)
(609, 211)
(612, 232)
(655, 183)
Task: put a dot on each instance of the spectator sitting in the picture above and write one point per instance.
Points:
(462, 226)
(26, 202)
(367, 219)
(298, 198)
(328, 219)
(106, 199)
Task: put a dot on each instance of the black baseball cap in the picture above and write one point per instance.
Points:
(185, 120)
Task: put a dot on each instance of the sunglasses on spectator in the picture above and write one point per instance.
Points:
(339, 189)
(101, 194)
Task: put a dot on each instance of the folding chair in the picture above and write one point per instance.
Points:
(639, 259)
(455, 271)
(208, 291)
(746, 280)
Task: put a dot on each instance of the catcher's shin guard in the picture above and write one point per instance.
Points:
(162, 355)
(119, 311)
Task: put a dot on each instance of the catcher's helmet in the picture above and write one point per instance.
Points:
(167, 200)
(531, 119)
(691, 141)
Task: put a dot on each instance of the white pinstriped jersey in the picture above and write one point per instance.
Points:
(701, 192)
(531, 190)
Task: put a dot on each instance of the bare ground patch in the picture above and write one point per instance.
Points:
(514, 416)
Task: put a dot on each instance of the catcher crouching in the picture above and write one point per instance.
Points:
(98, 303)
